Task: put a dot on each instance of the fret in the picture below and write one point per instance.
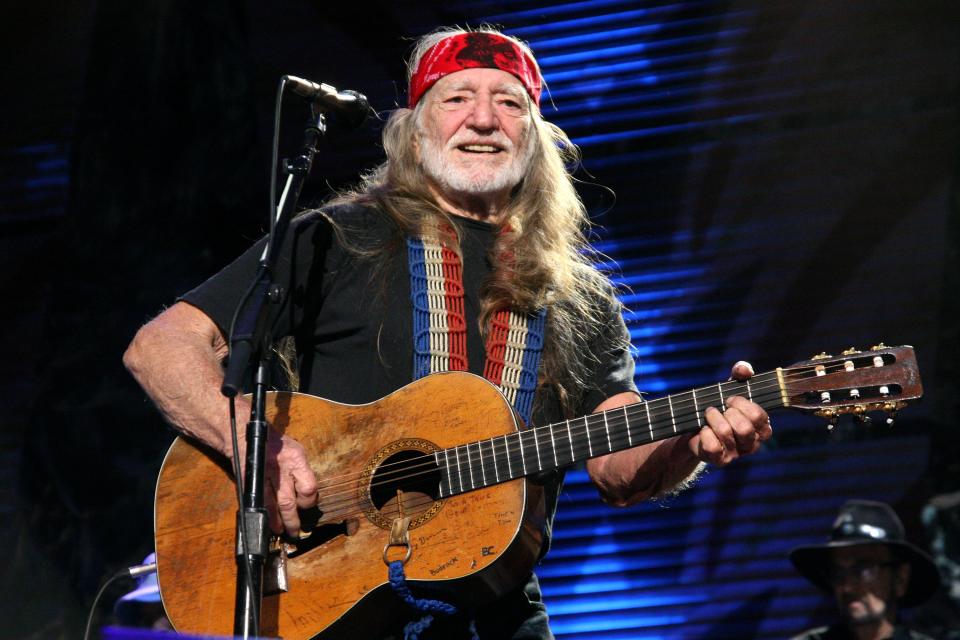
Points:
(506, 449)
(553, 445)
(696, 408)
(483, 470)
(460, 464)
(446, 454)
(436, 459)
(646, 406)
(749, 391)
(496, 469)
(626, 423)
(723, 404)
(536, 447)
(523, 458)
(446, 462)
(473, 485)
(560, 449)
(586, 427)
(673, 418)
(606, 428)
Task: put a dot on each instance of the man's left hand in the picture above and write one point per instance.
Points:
(737, 431)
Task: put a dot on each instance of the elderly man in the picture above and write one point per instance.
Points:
(475, 202)
(871, 570)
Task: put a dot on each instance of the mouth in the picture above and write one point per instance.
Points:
(479, 148)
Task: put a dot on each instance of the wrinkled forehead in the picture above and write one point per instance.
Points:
(476, 80)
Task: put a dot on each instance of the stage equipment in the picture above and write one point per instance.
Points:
(351, 106)
(251, 340)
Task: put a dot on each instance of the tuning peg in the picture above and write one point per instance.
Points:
(851, 351)
(863, 419)
(878, 347)
(891, 408)
(830, 415)
(823, 355)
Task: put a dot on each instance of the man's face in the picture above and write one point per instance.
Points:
(474, 133)
(867, 582)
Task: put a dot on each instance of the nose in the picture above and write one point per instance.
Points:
(847, 585)
(483, 117)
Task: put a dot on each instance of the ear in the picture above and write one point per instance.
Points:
(901, 579)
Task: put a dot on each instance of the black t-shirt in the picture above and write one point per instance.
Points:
(347, 305)
(351, 315)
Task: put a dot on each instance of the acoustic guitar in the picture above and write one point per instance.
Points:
(438, 474)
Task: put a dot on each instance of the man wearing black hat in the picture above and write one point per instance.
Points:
(871, 570)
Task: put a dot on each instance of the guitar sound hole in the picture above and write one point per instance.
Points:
(410, 474)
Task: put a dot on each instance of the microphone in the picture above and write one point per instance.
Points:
(352, 107)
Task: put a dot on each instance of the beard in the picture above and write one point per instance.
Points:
(477, 177)
(864, 611)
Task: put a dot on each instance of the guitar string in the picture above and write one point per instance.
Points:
(682, 423)
(392, 477)
(685, 422)
(761, 387)
(613, 418)
(354, 505)
(707, 399)
(703, 394)
(621, 442)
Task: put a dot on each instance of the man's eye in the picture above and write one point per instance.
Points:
(512, 105)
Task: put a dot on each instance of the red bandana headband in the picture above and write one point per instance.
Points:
(474, 50)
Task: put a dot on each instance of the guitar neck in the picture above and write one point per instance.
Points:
(483, 463)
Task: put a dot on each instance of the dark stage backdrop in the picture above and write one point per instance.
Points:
(785, 180)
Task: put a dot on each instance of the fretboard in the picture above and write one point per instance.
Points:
(476, 465)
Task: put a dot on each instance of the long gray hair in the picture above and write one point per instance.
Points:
(545, 222)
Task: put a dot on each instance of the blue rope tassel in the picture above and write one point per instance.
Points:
(412, 631)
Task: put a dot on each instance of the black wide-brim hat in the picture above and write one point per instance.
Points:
(862, 522)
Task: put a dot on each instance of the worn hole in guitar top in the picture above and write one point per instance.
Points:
(317, 536)
(405, 473)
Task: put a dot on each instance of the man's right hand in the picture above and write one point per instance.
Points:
(289, 483)
(176, 358)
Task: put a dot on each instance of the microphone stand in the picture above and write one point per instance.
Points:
(250, 342)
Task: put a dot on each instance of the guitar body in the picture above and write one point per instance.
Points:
(477, 544)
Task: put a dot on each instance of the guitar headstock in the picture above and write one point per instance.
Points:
(856, 382)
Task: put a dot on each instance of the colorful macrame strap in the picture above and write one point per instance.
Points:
(514, 341)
